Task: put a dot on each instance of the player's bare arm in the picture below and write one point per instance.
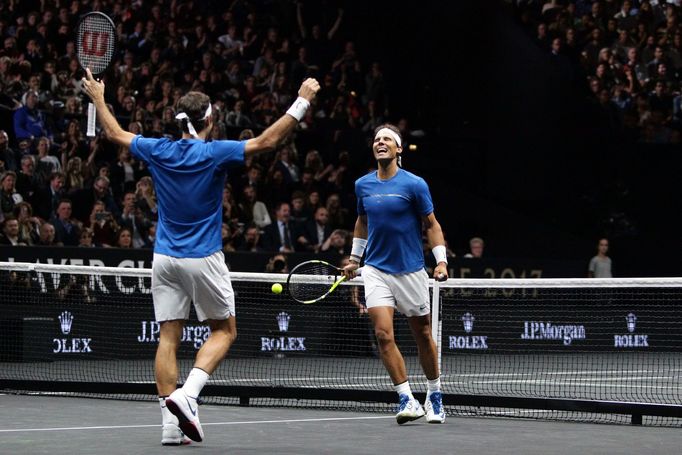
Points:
(278, 131)
(434, 235)
(95, 90)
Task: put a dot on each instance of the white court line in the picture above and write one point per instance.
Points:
(245, 422)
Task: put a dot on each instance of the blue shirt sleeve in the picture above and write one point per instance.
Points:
(423, 197)
(358, 196)
(142, 147)
(228, 152)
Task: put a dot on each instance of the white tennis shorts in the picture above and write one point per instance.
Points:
(408, 292)
(176, 282)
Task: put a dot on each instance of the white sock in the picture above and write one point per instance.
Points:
(196, 380)
(404, 389)
(166, 415)
(432, 385)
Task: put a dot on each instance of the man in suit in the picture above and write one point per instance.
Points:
(315, 231)
(280, 235)
(46, 199)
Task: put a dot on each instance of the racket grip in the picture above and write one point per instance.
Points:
(92, 117)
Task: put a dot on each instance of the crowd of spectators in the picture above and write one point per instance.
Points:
(629, 53)
(59, 187)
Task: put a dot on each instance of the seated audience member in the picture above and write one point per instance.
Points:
(476, 246)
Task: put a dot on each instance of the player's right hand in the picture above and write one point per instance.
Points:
(309, 89)
(93, 88)
(349, 270)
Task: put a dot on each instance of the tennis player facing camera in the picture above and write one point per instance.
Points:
(189, 266)
(393, 205)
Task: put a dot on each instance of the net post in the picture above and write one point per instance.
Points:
(435, 320)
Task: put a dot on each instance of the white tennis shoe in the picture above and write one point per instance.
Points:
(186, 409)
(434, 408)
(172, 435)
(408, 410)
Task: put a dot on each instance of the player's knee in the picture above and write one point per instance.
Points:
(383, 336)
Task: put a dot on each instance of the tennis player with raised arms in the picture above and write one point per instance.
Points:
(393, 205)
(189, 266)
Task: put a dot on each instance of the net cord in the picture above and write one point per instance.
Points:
(491, 283)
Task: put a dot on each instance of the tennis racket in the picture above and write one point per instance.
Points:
(95, 49)
(312, 281)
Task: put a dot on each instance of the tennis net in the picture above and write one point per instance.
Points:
(586, 350)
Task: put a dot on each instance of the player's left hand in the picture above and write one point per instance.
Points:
(440, 273)
(93, 88)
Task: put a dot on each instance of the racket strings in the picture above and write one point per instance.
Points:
(311, 281)
(95, 44)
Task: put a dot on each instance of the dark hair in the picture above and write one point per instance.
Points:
(391, 127)
(194, 104)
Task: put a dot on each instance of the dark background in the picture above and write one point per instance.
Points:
(515, 151)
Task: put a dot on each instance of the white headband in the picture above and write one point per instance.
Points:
(391, 133)
(190, 127)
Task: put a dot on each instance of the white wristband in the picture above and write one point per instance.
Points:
(440, 254)
(299, 108)
(358, 248)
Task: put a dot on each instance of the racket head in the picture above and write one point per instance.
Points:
(311, 281)
(95, 42)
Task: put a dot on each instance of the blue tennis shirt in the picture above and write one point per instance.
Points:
(394, 210)
(189, 176)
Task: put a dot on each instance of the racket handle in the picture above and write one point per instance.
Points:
(92, 118)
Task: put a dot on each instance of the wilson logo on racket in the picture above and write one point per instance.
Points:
(95, 43)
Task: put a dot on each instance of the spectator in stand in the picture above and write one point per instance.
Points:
(277, 189)
(339, 217)
(28, 182)
(46, 199)
(476, 246)
(285, 160)
(46, 162)
(299, 213)
(84, 199)
(232, 214)
(338, 242)
(600, 265)
(124, 238)
(29, 225)
(9, 158)
(48, 235)
(9, 197)
(280, 235)
(73, 175)
(29, 121)
(10, 232)
(132, 219)
(317, 43)
(251, 240)
(86, 238)
(123, 174)
(67, 229)
(254, 210)
(315, 231)
(103, 225)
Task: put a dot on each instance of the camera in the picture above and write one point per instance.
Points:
(278, 265)
(101, 216)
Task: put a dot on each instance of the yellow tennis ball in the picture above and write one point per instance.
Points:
(277, 288)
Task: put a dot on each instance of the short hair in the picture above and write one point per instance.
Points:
(6, 174)
(476, 240)
(194, 104)
(391, 127)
